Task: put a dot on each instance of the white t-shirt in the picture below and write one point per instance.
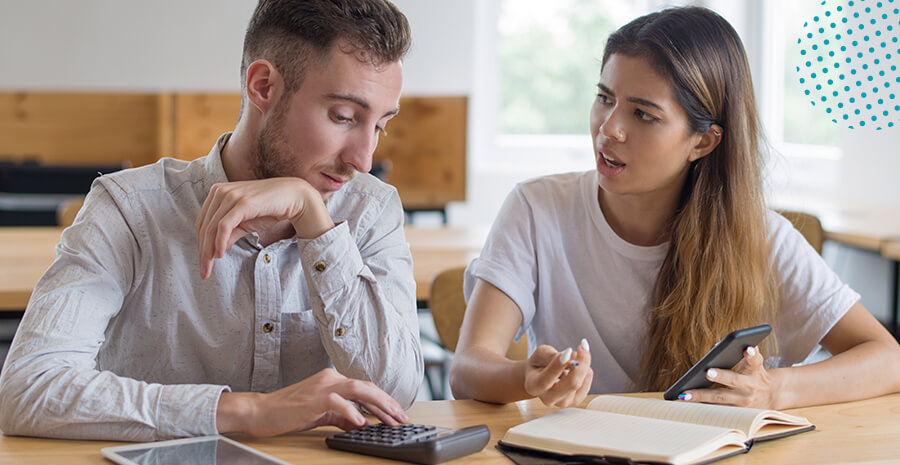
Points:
(553, 253)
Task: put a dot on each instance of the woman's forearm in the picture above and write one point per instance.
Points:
(480, 374)
(869, 369)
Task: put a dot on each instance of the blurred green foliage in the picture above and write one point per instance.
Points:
(550, 66)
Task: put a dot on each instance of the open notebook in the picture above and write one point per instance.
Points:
(652, 430)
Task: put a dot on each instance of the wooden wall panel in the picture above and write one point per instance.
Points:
(199, 119)
(426, 142)
(426, 145)
(72, 128)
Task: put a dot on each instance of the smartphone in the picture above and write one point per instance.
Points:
(725, 354)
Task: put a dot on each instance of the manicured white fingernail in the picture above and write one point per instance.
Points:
(712, 373)
(685, 396)
(566, 355)
(751, 351)
(585, 345)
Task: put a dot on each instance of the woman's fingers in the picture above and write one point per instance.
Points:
(539, 381)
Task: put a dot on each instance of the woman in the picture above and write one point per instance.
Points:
(627, 274)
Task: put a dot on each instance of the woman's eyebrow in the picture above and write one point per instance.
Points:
(638, 100)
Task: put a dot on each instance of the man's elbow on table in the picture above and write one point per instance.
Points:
(13, 420)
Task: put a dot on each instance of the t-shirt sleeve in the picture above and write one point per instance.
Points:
(812, 297)
(507, 260)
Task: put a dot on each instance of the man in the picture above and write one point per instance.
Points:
(212, 296)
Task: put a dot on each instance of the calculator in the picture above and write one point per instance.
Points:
(425, 444)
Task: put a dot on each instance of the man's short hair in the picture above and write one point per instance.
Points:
(297, 34)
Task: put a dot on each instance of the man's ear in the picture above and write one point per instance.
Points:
(707, 143)
(264, 85)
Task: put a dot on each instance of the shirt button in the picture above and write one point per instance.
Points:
(268, 327)
(339, 332)
(267, 258)
(319, 266)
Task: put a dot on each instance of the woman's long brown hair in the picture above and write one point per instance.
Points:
(716, 276)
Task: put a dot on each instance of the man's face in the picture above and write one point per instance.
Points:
(328, 129)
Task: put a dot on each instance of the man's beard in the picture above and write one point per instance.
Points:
(273, 159)
(270, 158)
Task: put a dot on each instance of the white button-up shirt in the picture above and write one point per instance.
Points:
(122, 339)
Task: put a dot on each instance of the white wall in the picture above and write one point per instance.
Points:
(191, 45)
(122, 45)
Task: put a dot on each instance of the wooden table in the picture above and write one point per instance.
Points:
(850, 433)
(26, 252)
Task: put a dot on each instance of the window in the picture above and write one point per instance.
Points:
(539, 64)
(806, 143)
(803, 122)
(550, 56)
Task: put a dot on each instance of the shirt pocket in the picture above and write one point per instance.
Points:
(302, 351)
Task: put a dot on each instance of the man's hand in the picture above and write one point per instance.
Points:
(556, 379)
(322, 399)
(233, 210)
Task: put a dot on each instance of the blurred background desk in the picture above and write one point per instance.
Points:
(871, 229)
(26, 252)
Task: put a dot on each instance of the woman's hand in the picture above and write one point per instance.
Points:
(748, 384)
(559, 379)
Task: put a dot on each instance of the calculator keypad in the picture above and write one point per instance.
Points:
(391, 435)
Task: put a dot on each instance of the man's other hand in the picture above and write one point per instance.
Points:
(322, 399)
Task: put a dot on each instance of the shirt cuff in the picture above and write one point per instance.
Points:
(330, 261)
(189, 410)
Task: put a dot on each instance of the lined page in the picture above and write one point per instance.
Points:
(581, 431)
(705, 414)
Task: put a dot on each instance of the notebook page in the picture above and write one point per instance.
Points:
(705, 414)
(581, 431)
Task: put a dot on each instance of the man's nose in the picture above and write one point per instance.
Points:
(358, 154)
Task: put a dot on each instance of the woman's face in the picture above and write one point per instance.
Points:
(642, 141)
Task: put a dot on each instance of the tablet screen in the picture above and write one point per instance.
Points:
(214, 451)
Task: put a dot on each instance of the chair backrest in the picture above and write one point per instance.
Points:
(448, 306)
(808, 225)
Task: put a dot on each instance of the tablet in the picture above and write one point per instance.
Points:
(206, 450)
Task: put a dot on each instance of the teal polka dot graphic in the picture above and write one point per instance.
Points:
(847, 62)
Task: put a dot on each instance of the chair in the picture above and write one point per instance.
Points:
(808, 225)
(448, 306)
(65, 214)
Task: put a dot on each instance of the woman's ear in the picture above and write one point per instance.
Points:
(264, 85)
(707, 143)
